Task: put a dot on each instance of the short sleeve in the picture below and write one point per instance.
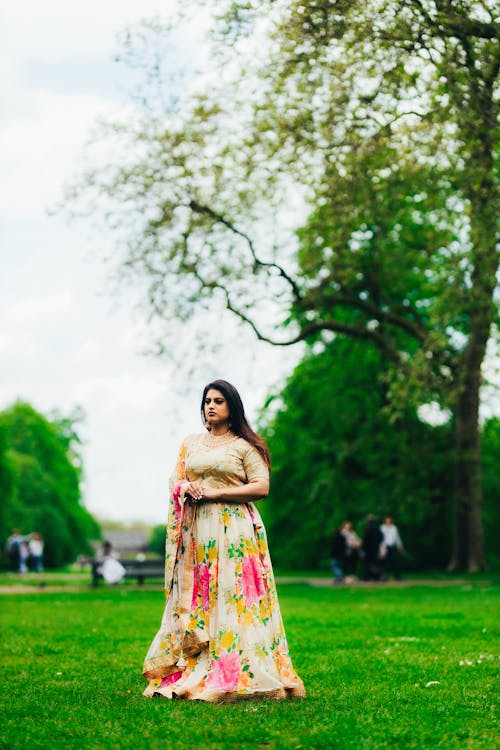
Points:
(254, 465)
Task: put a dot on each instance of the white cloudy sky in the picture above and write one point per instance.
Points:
(64, 339)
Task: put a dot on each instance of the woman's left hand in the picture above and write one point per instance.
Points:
(208, 493)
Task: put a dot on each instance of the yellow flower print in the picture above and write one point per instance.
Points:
(264, 608)
(226, 518)
(248, 618)
(227, 640)
(200, 553)
(283, 663)
(212, 554)
(261, 651)
(248, 546)
(244, 681)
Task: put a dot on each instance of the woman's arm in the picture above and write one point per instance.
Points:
(256, 489)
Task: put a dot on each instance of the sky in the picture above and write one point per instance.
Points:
(66, 338)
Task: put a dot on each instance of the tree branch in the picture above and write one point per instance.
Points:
(467, 27)
(317, 327)
(198, 208)
(460, 26)
(306, 331)
(416, 330)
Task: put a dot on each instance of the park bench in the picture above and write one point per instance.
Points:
(139, 569)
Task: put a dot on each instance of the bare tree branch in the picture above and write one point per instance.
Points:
(198, 208)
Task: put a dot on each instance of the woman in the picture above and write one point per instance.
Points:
(221, 637)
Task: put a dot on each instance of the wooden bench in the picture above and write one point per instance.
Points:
(139, 569)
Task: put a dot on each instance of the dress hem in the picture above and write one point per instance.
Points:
(232, 696)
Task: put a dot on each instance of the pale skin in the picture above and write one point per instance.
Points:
(217, 417)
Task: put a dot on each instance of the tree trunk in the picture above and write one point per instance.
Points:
(468, 550)
(478, 132)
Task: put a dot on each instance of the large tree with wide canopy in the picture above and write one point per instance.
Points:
(369, 128)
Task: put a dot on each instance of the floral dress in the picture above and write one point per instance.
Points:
(221, 636)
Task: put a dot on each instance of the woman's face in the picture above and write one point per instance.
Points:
(216, 408)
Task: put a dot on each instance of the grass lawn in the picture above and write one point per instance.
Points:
(384, 668)
(61, 577)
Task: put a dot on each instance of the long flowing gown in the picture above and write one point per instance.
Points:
(221, 636)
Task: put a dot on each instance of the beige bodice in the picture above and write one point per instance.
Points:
(228, 464)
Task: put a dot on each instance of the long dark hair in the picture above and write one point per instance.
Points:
(237, 417)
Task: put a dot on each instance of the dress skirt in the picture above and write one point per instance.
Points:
(221, 637)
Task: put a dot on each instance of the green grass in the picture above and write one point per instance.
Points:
(62, 577)
(72, 673)
(75, 577)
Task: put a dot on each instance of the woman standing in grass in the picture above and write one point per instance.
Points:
(221, 637)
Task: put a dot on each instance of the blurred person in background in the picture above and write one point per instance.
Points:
(393, 548)
(353, 545)
(338, 553)
(24, 554)
(110, 567)
(371, 547)
(35, 549)
(13, 549)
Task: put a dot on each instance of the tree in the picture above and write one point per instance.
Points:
(491, 488)
(370, 112)
(7, 519)
(156, 541)
(43, 492)
(336, 455)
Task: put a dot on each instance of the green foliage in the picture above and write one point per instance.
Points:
(491, 488)
(42, 490)
(385, 261)
(366, 656)
(157, 539)
(7, 517)
(336, 455)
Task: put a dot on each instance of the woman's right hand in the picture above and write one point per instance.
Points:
(194, 490)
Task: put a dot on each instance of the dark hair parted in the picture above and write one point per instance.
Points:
(239, 423)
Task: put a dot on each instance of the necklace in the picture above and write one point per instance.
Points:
(210, 441)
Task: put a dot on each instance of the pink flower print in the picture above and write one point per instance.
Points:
(176, 492)
(171, 679)
(204, 583)
(194, 598)
(253, 587)
(224, 672)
